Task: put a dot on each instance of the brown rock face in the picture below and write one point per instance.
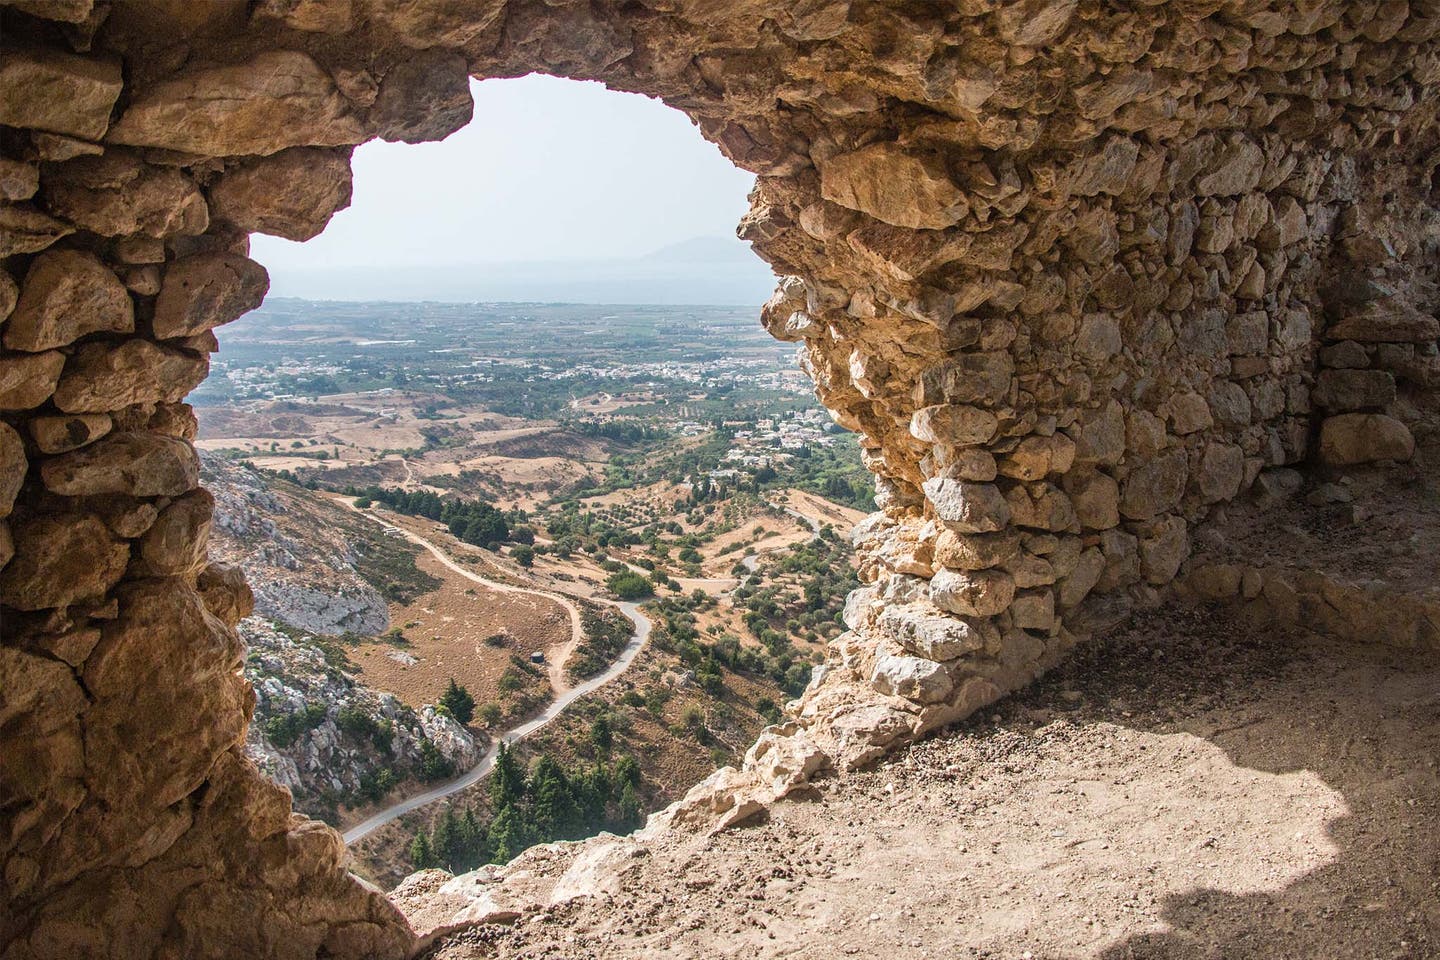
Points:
(49, 90)
(67, 294)
(275, 100)
(117, 195)
(1075, 271)
(205, 291)
(292, 194)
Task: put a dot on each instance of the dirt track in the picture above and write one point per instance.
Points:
(1190, 788)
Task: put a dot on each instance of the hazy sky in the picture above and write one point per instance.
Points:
(548, 169)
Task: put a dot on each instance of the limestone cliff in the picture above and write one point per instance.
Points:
(1077, 271)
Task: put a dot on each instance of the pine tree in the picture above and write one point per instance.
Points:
(442, 841)
(508, 835)
(458, 701)
(422, 854)
(601, 736)
(629, 807)
(507, 783)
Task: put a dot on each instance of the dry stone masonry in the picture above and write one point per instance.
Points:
(1076, 271)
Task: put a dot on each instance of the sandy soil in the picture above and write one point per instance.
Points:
(1186, 789)
(447, 639)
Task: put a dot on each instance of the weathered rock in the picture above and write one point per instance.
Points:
(60, 434)
(981, 593)
(18, 180)
(1163, 547)
(923, 629)
(1188, 412)
(205, 291)
(1222, 470)
(913, 678)
(118, 195)
(894, 185)
(9, 295)
(1038, 457)
(979, 551)
(316, 16)
(1384, 321)
(1096, 498)
(954, 424)
(67, 295)
(174, 545)
(429, 23)
(133, 464)
(1154, 487)
(23, 229)
(274, 100)
(59, 560)
(1356, 438)
(968, 507)
(13, 467)
(100, 378)
(424, 97)
(47, 90)
(291, 194)
(28, 380)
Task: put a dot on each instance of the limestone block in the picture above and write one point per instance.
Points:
(1345, 355)
(1154, 486)
(979, 593)
(982, 377)
(23, 229)
(1099, 338)
(1355, 438)
(134, 464)
(205, 291)
(1037, 457)
(1187, 413)
(18, 180)
(1216, 581)
(65, 432)
(1384, 320)
(59, 560)
(9, 295)
(1164, 545)
(1076, 586)
(894, 185)
(1041, 506)
(954, 424)
(1122, 560)
(424, 97)
(1096, 498)
(922, 628)
(976, 551)
(1034, 610)
(913, 678)
(67, 295)
(13, 467)
(1102, 435)
(274, 100)
(312, 16)
(290, 194)
(44, 89)
(1235, 171)
(99, 378)
(968, 507)
(175, 544)
(1222, 469)
(119, 195)
(225, 593)
(28, 379)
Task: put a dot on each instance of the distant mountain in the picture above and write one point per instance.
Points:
(702, 270)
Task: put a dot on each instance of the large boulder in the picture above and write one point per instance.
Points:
(291, 194)
(119, 195)
(100, 378)
(205, 291)
(895, 185)
(48, 90)
(274, 100)
(59, 560)
(67, 294)
(130, 463)
(1356, 438)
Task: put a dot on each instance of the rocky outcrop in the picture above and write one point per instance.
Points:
(1077, 272)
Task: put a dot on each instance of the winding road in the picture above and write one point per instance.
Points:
(564, 693)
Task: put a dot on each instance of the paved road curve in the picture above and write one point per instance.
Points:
(562, 700)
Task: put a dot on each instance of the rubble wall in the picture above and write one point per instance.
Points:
(1078, 272)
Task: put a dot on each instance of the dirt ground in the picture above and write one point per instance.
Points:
(446, 640)
(1187, 788)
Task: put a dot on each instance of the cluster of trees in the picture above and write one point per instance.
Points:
(606, 632)
(473, 521)
(709, 657)
(629, 585)
(547, 804)
(458, 702)
(626, 431)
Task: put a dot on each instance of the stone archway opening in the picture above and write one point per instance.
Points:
(1078, 273)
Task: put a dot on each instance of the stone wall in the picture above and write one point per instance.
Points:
(1077, 272)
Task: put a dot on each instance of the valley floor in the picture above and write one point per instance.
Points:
(1191, 787)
